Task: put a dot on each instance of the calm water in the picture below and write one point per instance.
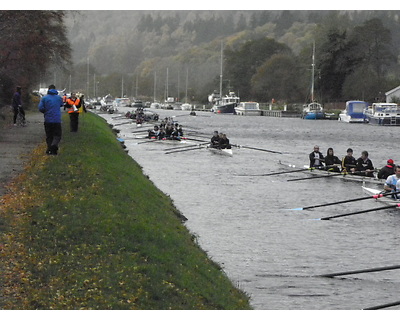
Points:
(243, 223)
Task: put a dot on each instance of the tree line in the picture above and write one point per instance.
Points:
(31, 42)
(267, 54)
(351, 63)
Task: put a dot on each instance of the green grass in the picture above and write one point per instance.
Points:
(87, 230)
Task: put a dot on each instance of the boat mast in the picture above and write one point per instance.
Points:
(155, 83)
(220, 75)
(187, 75)
(312, 72)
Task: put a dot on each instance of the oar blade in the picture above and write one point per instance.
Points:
(296, 209)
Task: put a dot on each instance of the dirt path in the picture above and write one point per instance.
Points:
(16, 143)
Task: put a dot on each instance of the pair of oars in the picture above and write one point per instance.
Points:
(282, 172)
(376, 196)
(382, 306)
(328, 175)
(254, 148)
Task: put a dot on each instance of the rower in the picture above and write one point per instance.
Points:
(348, 161)
(364, 165)
(331, 161)
(391, 183)
(316, 158)
(387, 170)
(215, 140)
(224, 142)
(154, 133)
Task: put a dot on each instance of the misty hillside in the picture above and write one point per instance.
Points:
(144, 44)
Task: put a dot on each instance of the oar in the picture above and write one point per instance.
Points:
(273, 173)
(281, 172)
(382, 306)
(190, 146)
(196, 140)
(362, 211)
(120, 124)
(376, 196)
(323, 176)
(331, 275)
(253, 148)
(194, 148)
(152, 140)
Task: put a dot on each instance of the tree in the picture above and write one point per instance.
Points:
(31, 42)
(335, 62)
(277, 78)
(374, 46)
(241, 65)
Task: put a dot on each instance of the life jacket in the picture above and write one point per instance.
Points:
(73, 105)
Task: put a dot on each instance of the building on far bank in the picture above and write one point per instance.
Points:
(393, 95)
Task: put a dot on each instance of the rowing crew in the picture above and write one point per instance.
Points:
(362, 166)
(220, 141)
(169, 131)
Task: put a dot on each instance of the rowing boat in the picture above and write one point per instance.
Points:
(373, 191)
(340, 175)
(225, 152)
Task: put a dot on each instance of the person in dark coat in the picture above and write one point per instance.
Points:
(364, 165)
(224, 142)
(215, 140)
(387, 170)
(316, 158)
(332, 162)
(348, 162)
(17, 105)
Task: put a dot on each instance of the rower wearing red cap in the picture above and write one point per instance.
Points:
(387, 170)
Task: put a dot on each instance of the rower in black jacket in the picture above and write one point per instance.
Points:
(364, 165)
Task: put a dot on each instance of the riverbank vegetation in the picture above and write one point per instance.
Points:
(87, 230)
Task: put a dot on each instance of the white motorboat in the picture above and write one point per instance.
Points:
(383, 114)
(248, 109)
(354, 112)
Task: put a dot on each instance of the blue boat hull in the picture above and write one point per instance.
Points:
(314, 115)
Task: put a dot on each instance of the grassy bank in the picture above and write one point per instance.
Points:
(87, 230)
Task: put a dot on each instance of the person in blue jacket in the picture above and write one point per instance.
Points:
(50, 105)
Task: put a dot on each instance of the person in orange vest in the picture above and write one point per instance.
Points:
(72, 106)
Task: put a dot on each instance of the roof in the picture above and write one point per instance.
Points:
(392, 91)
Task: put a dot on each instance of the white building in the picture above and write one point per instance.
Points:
(393, 95)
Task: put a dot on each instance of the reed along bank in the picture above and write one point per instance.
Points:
(86, 229)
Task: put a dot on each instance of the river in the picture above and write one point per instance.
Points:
(242, 221)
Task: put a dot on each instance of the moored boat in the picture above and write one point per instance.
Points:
(383, 114)
(222, 104)
(248, 109)
(313, 111)
(227, 104)
(354, 112)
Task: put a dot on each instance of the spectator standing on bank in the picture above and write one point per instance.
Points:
(72, 105)
(50, 105)
(17, 105)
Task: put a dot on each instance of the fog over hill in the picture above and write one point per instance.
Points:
(144, 44)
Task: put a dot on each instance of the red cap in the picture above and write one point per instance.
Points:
(390, 161)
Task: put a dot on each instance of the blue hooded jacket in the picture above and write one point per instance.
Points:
(51, 105)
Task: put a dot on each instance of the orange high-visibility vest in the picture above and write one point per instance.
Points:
(71, 103)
